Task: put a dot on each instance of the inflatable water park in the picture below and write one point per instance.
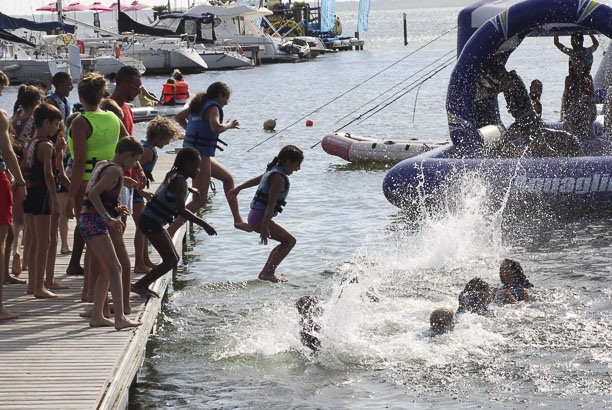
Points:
(488, 33)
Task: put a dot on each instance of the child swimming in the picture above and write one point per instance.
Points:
(268, 202)
(308, 308)
(514, 283)
(475, 297)
(441, 320)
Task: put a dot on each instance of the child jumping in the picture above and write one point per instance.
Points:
(268, 202)
(99, 213)
(167, 203)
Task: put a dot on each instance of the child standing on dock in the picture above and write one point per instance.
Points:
(99, 213)
(160, 132)
(268, 202)
(168, 202)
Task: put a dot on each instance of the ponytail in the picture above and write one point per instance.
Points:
(288, 153)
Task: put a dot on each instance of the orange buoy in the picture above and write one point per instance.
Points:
(81, 46)
(117, 51)
(309, 123)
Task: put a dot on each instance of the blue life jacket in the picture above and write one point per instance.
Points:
(148, 168)
(198, 133)
(62, 104)
(515, 291)
(162, 207)
(260, 200)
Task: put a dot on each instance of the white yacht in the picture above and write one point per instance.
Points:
(163, 55)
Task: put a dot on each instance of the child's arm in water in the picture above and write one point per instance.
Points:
(179, 196)
(277, 184)
(233, 193)
(525, 296)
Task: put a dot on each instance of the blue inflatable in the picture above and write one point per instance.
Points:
(574, 181)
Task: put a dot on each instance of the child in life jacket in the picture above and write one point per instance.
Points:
(182, 88)
(169, 92)
(515, 283)
(39, 169)
(166, 204)
(102, 229)
(268, 202)
(475, 298)
(160, 132)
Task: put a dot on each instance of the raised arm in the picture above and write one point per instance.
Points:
(561, 47)
(595, 45)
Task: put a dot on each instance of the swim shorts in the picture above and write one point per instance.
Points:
(38, 201)
(137, 198)
(256, 216)
(92, 225)
(149, 225)
(6, 200)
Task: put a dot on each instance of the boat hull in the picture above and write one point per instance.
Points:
(148, 113)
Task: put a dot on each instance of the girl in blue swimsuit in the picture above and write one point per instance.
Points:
(515, 283)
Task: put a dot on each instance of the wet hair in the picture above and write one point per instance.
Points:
(213, 91)
(305, 304)
(287, 153)
(477, 290)
(441, 320)
(184, 156)
(45, 111)
(126, 73)
(517, 271)
(537, 84)
(60, 77)
(129, 144)
(28, 96)
(162, 127)
(177, 75)
(108, 104)
(4, 81)
(91, 88)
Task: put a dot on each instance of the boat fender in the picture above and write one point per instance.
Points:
(117, 51)
(491, 134)
(81, 46)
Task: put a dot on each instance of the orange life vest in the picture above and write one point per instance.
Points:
(182, 90)
(168, 92)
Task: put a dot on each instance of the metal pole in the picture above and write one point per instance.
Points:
(405, 31)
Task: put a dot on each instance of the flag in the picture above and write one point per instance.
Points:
(364, 11)
(328, 14)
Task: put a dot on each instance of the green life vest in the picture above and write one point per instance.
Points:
(103, 140)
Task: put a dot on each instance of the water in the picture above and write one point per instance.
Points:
(227, 340)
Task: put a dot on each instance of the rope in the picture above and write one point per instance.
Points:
(352, 89)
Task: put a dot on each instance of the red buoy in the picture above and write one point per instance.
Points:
(309, 123)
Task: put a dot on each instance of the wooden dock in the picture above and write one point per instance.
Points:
(51, 358)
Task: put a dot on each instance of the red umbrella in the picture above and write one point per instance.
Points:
(97, 6)
(136, 5)
(76, 7)
(113, 7)
(48, 7)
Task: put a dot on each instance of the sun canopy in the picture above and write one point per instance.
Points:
(14, 23)
(207, 18)
(126, 24)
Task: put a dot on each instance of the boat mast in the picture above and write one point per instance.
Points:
(60, 15)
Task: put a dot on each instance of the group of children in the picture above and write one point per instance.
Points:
(101, 155)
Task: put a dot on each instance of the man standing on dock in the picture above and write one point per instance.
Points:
(128, 85)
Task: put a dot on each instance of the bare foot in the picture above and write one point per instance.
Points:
(127, 309)
(6, 315)
(272, 278)
(65, 251)
(56, 285)
(143, 292)
(122, 324)
(16, 267)
(100, 322)
(71, 270)
(142, 269)
(87, 313)
(243, 226)
(150, 264)
(44, 294)
(13, 280)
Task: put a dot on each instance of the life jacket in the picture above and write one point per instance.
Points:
(102, 142)
(260, 200)
(168, 92)
(24, 128)
(468, 304)
(198, 133)
(515, 291)
(62, 103)
(32, 167)
(110, 198)
(162, 207)
(182, 91)
(148, 168)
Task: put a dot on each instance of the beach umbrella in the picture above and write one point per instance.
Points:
(136, 5)
(97, 6)
(48, 7)
(76, 7)
(113, 7)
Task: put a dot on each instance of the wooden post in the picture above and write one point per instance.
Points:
(405, 31)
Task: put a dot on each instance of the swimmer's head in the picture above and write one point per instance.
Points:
(577, 39)
(478, 290)
(442, 320)
(308, 305)
(511, 273)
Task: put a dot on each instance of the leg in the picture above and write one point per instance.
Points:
(63, 223)
(50, 282)
(29, 254)
(7, 256)
(74, 267)
(18, 226)
(140, 242)
(4, 314)
(126, 268)
(221, 173)
(201, 182)
(287, 242)
(42, 230)
(162, 242)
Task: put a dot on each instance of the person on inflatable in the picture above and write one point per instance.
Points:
(182, 88)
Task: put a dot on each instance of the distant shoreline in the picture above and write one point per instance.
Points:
(343, 6)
